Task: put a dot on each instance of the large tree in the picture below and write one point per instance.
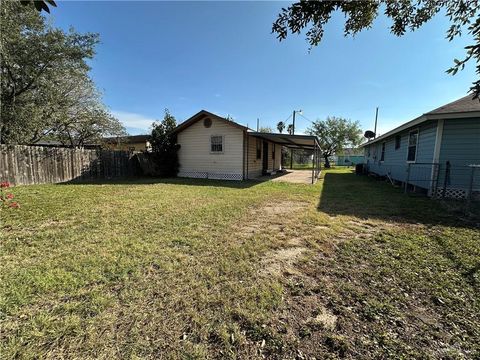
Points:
(335, 134)
(164, 146)
(39, 5)
(265, 129)
(405, 15)
(45, 87)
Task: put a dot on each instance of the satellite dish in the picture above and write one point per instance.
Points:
(369, 134)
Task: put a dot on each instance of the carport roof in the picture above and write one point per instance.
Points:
(291, 141)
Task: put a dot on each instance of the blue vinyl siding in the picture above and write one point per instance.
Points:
(460, 146)
(395, 163)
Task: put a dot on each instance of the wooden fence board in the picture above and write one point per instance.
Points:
(25, 165)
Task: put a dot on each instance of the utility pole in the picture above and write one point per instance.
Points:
(376, 117)
(293, 133)
(258, 123)
(293, 125)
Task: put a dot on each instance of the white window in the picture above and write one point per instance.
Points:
(382, 156)
(412, 146)
(216, 144)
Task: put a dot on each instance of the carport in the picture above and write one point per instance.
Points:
(305, 142)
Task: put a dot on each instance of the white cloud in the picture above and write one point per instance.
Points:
(133, 120)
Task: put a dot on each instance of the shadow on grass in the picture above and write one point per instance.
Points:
(147, 180)
(171, 181)
(366, 198)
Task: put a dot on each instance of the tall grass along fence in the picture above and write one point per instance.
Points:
(25, 165)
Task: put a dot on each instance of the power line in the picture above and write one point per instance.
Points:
(306, 118)
(285, 121)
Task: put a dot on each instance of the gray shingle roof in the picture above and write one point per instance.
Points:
(463, 107)
(465, 104)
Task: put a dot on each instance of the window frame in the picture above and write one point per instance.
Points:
(222, 144)
(259, 149)
(398, 141)
(273, 151)
(417, 130)
(382, 151)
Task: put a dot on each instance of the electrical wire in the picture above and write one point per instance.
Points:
(305, 118)
(288, 118)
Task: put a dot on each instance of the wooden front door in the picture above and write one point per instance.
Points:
(265, 157)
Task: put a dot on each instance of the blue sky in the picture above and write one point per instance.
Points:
(221, 57)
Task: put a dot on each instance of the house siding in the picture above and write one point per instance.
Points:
(395, 163)
(255, 165)
(196, 159)
(461, 147)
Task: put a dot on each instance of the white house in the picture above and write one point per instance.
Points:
(213, 147)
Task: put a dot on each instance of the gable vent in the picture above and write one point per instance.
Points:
(207, 122)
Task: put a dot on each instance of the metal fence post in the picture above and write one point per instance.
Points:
(447, 175)
(470, 187)
(437, 179)
(407, 179)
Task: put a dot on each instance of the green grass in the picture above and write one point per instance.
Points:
(207, 269)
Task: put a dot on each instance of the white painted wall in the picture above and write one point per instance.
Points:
(196, 159)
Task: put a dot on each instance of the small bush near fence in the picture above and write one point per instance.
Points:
(25, 165)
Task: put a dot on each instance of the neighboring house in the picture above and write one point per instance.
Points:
(217, 148)
(128, 143)
(433, 152)
(349, 157)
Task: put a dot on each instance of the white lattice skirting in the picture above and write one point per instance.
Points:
(207, 175)
(453, 193)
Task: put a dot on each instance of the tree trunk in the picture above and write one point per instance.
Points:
(327, 163)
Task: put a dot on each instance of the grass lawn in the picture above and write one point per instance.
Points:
(349, 267)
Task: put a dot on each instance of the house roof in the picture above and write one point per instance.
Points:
(128, 139)
(464, 107)
(202, 115)
(56, 143)
(292, 141)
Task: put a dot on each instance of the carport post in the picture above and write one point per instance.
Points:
(313, 162)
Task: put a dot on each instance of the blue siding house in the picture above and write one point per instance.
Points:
(436, 152)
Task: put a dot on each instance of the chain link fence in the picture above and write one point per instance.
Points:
(444, 180)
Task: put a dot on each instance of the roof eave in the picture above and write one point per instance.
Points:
(422, 119)
(193, 119)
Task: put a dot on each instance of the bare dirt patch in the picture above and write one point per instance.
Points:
(281, 261)
(270, 217)
(274, 218)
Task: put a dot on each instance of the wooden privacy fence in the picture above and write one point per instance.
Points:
(25, 165)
